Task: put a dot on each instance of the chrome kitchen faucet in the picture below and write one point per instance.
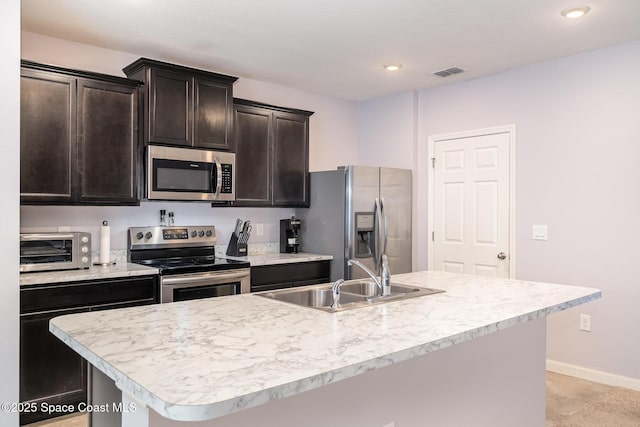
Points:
(383, 282)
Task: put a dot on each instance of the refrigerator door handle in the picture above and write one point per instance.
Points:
(377, 259)
(377, 235)
(383, 214)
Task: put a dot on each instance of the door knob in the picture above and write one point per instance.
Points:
(502, 255)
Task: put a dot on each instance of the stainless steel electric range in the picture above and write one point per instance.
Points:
(186, 259)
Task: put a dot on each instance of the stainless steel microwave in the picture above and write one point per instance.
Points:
(54, 251)
(186, 174)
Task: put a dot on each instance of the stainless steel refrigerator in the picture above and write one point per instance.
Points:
(359, 212)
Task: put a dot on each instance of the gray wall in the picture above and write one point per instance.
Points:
(578, 131)
(9, 191)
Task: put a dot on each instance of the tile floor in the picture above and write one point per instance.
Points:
(571, 402)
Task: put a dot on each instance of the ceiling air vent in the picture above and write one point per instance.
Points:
(448, 72)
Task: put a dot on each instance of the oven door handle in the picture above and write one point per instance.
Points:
(174, 280)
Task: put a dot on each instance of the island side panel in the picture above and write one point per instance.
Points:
(495, 380)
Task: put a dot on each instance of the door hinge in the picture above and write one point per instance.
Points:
(433, 236)
(433, 162)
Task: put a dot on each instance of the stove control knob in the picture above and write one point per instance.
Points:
(200, 233)
(85, 249)
(194, 234)
(139, 235)
(148, 235)
(209, 233)
(85, 260)
(85, 239)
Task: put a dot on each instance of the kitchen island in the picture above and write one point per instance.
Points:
(474, 355)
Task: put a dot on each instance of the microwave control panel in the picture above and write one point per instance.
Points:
(227, 178)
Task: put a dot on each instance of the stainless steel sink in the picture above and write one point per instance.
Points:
(353, 294)
(369, 289)
(316, 297)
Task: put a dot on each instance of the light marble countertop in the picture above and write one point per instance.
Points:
(217, 356)
(270, 258)
(122, 269)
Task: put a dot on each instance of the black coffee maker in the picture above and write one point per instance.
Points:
(289, 229)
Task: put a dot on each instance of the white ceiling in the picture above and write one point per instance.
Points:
(337, 47)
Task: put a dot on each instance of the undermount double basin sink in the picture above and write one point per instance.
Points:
(353, 294)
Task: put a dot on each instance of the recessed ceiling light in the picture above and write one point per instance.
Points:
(392, 67)
(575, 12)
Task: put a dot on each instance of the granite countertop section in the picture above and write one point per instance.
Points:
(259, 259)
(221, 355)
(123, 269)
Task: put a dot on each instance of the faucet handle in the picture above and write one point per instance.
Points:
(336, 293)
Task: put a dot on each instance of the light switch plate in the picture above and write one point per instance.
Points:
(540, 232)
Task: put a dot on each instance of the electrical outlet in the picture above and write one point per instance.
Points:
(585, 322)
(259, 229)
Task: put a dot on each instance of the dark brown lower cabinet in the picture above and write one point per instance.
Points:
(51, 373)
(280, 276)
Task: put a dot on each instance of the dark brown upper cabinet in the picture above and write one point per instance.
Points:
(185, 106)
(79, 141)
(272, 155)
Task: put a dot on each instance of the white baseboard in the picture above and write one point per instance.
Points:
(593, 375)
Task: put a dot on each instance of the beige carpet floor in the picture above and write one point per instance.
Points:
(571, 402)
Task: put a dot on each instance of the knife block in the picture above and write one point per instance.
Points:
(235, 248)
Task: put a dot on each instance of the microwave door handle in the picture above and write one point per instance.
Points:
(218, 178)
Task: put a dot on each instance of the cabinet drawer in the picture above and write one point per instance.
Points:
(78, 294)
(269, 277)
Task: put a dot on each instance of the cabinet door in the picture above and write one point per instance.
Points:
(281, 276)
(290, 159)
(50, 372)
(212, 114)
(170, 108)
(107, 143)
(49, 297)
(253, 165)
(47, 137)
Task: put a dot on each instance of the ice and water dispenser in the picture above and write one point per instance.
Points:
(365, 237)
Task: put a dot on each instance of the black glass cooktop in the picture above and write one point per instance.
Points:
(192, 264)
(184, 260)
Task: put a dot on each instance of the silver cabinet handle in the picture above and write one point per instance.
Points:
(502, 255)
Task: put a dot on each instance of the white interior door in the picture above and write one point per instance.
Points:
(471, 212)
